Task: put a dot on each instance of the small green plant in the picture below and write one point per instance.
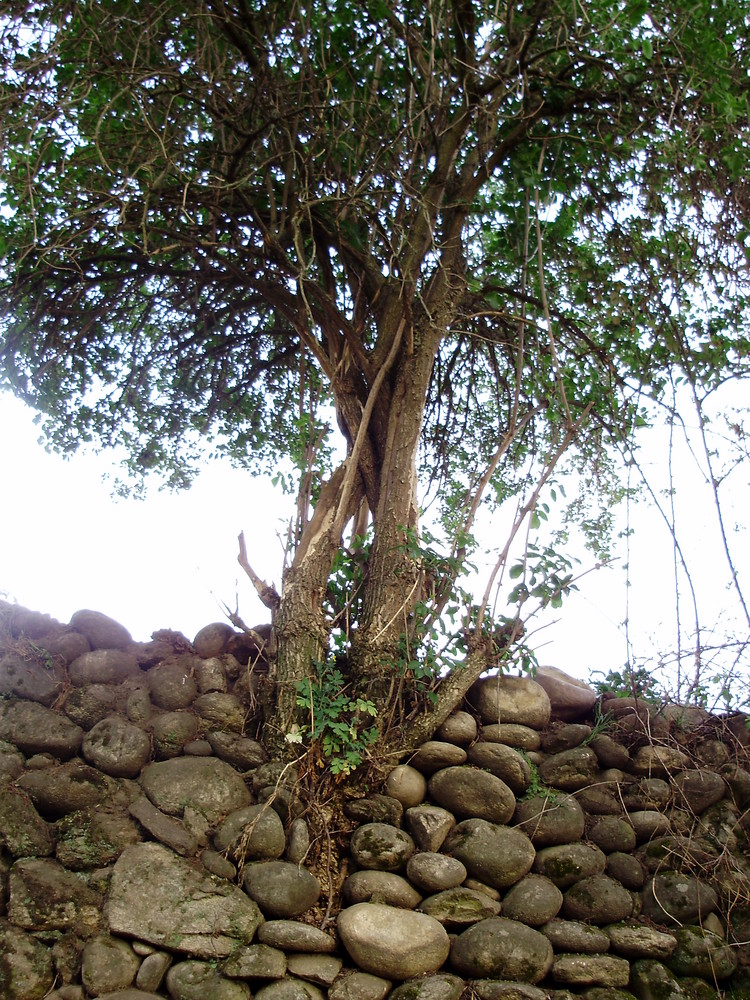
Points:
(631, 682)
(536, 786)
(336, 719)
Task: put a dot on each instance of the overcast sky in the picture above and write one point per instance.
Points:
(170, 560)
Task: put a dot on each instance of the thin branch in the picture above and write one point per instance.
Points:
(266, 592)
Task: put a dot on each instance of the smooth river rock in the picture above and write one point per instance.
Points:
(502, 949)
(392, 943)
(469, 792)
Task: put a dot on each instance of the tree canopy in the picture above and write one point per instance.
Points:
(465, 236)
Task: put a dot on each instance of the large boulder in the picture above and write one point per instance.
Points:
(498, 855)
(393, 943)
(205, 783)
(512, 699)
(502, 949)
(570, 699)
(469, 792)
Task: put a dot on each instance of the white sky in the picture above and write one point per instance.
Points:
(168, 561)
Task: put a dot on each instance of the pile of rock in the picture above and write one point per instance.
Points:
(151, 849)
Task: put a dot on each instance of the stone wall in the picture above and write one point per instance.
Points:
(542, 846)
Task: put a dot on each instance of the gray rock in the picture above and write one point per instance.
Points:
(440, 987)
(117, 747)
(517, 700)
(163, 828)
(565, 736)
(35, 729)
(646, 793)
(138, 707)
(11, 762)
(289, 989)
(700, 952)
(656, 761)
(699, 789)
(171, 684)
(650, 979)
(29, 678)
(648, 823)
(466, 791)
(600, 900)
(22, 830)
(570, 769)
(43, 896)
(591, 970)
(550, 819)
(498, 989)
(217, 864)
(460, 907)
(291, 935)
(26, 965)
(634, 940)
(255, 961)
(675, 898)
(320, 969)
(566, 864)
(504, 762)
(575, 936)
(406, 784)
(429, 826)
(431, 872)
(380, 887)
(570, 698)
(94, 837)
(171, 731)
(354, 985)
(460, 728)
(103, 666)
(210, 675)
(218, 709)
(626, 869)
(497, 855)
(502, 949)
(68, 646)
(393, 943)
(434, 756)
(281, 889)
(108, 964)
(535, 900)
(152, 971)
(375, 809)
(239, 751)
(207, 784)
(200, 981)
(163, 899)
(85, 706)
(101, 631)
(251, 833)
(512, 735)
(297, 842)
(611, 833)
(212, 640)
(602, 799)
(609, 752)
(381, 846)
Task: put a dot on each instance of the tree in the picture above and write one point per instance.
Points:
(468, 237)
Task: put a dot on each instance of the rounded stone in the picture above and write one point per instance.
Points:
(393, 943)
(649, 823)
(512, 699)
(442, 987)
(210, 675)
(699, 789)
(496, 855)
(598, 899)
(281, 889)
(31, 678)
(90, 704)
(291, 935)
(26, 967)
(252, 832)
(566, 864)
(354, 985)
(117, 747)
(460, 728)
(610, 833)
(435, 755)
(406, 784)
(101, 631)
(534, 900)
(626, 869)
(570, 769)
(498, 948)
(213, 639)
(459, 907)
(466, 791)
(570, 698)
(504, 762)
(172, 685)
(375, 809)
(221, 710)
(172, 731)
(381, 846)
(239, 751)
(103, 666)
(429, 826)
(108, 964)
(565, 736)
(380, 887)
(193, 980)
(654, 760)
(591, 970)
(432, 872)
(513, 735)
(609, 752)
(550, 819)
(575, 936)
(672, 897)
(701, 953)
(209, 785)
(635, 940)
